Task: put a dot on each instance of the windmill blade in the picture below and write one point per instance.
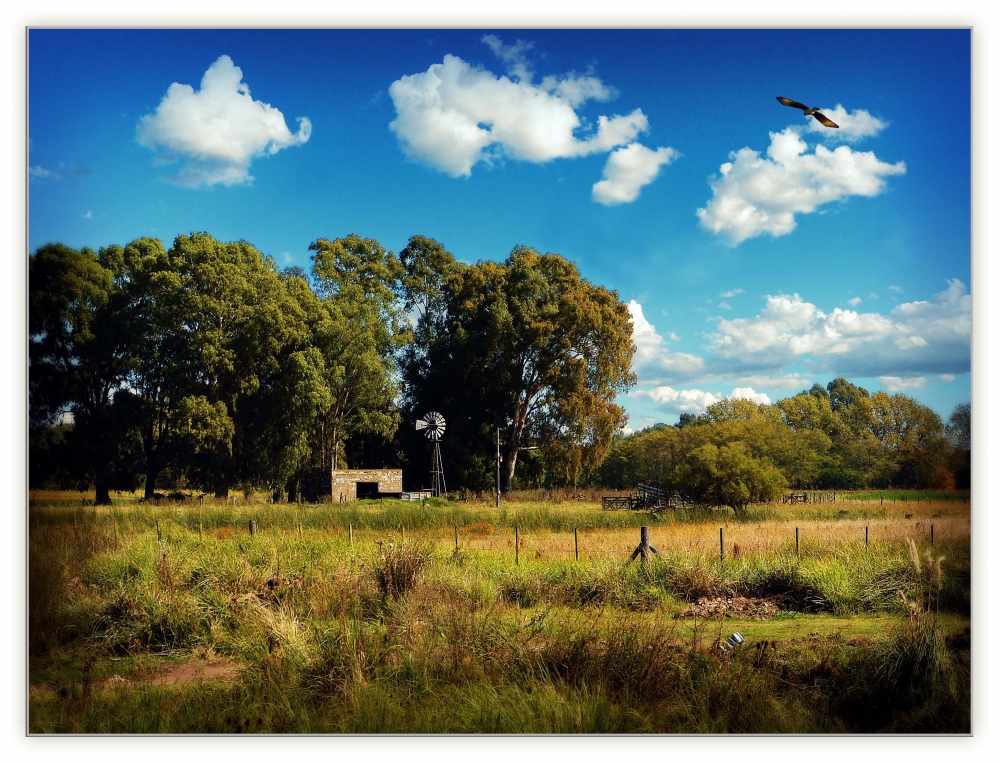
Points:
(421, 424)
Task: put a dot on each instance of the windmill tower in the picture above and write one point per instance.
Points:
(433, 426)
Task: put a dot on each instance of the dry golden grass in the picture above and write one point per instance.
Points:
(702, 538)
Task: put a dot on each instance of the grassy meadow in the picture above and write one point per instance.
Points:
(366, 617)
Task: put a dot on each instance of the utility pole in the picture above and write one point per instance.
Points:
(498, 467)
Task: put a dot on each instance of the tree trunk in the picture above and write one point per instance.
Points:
(151, 482)
(102, 497)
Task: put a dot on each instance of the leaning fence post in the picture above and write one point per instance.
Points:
(866, 537)
(517, 559)
(722, 548)
(932, 535)
(576, 545)
(796, 543)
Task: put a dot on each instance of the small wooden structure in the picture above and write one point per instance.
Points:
(795, 498)
(647, 498)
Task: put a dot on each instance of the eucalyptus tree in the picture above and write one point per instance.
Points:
(239, 325)
(78, 354)
(529, 346)
(358, 331)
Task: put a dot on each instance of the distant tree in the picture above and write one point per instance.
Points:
(728, 476)
(959, 434)
(687, 420)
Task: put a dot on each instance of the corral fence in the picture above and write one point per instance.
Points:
(647, 498)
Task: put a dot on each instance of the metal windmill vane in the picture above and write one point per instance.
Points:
(433, 426)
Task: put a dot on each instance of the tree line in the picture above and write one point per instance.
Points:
(834, 437)
(204, 365)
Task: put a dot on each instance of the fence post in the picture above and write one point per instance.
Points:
(721, 548)
(576, 545)
(517, 559)
(250, 523)
(456, 538)
(796, 543)
(932, 536)
(866, 537)
(350, 536)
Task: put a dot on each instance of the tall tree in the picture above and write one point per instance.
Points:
(358, 331)
(532, 347)
(239, 324)
(77, 354)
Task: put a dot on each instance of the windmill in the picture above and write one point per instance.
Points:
(433, 426)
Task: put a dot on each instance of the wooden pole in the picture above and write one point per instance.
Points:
(350, 536)
(722, 548)
(796, 543)
(866, 537)
(456, 538)
(517, 559)
(932, 536)
(576, 545)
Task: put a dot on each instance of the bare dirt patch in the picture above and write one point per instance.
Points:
(741, 607)
(186, 672)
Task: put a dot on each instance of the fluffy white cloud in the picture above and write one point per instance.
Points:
(653, 360)
(628, 170)
(854, 301)
(454, 116)
(898, 384)
(680, 400)
(748, 393)
(854, 125)
(926, 336)
(217, 130)
(755, 195)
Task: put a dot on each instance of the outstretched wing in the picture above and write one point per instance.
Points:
(793, 104)
(825, 120)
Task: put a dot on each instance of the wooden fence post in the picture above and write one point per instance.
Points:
(350, 536)
(722, 548)
(796, 543)
(517, 559)
(644, 547)
(866, 537)
(932, 536)
(576, 545)
(456, 538)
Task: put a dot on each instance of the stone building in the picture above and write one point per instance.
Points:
(351, 484)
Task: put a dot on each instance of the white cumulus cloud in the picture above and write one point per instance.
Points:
(217, 130)
(455, 115)
(930, 336)
(628, 170)
(899, 384)
(854, 301)
(680, 400)
(755, 195)
(653, 360)
(748, 393)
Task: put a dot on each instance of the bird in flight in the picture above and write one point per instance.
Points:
(814, 111)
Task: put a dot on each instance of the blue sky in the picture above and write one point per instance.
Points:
(759, 251)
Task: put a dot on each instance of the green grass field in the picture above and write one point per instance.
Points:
(365, 617)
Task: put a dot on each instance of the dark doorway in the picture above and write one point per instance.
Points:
(367, 490)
